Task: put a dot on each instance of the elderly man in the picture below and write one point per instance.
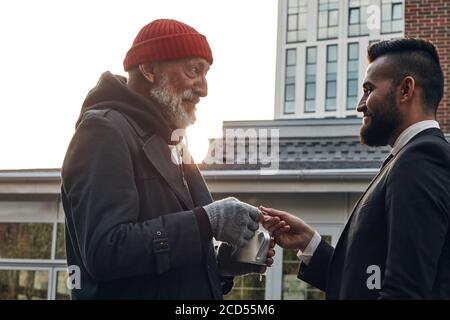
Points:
(139, 225)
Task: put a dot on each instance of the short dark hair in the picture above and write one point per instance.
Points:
(417, 58)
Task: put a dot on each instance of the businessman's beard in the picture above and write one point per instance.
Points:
(383, 120)
(178, 108)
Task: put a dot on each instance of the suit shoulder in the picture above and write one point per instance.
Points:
(428, 146)
(423, 154)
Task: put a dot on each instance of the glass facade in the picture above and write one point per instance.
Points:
(310, 79)
(328, 19)
(292, 287)
(352, 75)
(25, 240)
(357, 18)
(32, 261)
(392, 16)
(248, 287)
(43, 275)
(331, 78)
(33, 265)
(61, 292)
(297, 20)
(24, 284)
(60, 244)
(337, 26)
(289, 83)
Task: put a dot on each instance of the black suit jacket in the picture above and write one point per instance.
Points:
(398, 230)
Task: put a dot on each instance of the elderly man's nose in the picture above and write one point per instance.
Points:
(201, 87)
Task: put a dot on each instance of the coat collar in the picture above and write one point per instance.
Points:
(193, 190)
(158, 153)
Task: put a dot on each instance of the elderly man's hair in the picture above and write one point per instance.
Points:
(417, 58)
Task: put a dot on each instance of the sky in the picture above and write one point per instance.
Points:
(52, 52)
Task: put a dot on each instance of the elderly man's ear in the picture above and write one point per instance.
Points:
(148, 71)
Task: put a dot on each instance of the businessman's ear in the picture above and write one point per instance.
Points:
(407, 89)
(148, 71)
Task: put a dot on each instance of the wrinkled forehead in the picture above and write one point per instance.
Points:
(197, 61)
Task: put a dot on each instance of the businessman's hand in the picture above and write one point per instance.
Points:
(289, 231)
(228, 267)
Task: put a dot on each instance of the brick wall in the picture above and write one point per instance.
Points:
(430, 19)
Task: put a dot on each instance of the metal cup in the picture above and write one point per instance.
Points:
(255, 252)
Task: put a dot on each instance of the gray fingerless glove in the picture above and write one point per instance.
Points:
(232, 221)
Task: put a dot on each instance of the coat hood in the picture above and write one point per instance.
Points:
(111, 92)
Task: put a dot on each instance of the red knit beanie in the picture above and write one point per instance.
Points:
(166, 39)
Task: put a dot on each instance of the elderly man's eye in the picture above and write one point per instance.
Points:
(192, 71)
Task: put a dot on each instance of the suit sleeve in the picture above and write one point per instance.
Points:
(98, 181)
(316, 272)
(417, 206)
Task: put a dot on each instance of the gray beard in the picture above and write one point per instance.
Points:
(171, 103)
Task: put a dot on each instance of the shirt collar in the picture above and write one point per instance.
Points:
(411, 132)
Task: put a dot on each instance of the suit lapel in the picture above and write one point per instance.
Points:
(385, 165)
(158, 153)
(433, 131)
(355, 207)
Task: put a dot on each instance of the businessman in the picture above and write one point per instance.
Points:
(396, 243)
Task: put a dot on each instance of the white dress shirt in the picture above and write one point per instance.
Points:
(411, 132)
(401, 141)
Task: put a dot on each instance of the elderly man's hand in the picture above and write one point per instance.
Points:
(233, 221)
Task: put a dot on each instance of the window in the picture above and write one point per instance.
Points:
(353, 16)
(357, 18)
(328, 19)
(60, 244)
(397, 11)
(248, 287)
(23, 284)
(292, 288)
(61, 290)
(352, 75)
(331, 78)
(392, 16)
(289, 83)
(310, 79)
(297, 14)
(25, 240)
(32, 261)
